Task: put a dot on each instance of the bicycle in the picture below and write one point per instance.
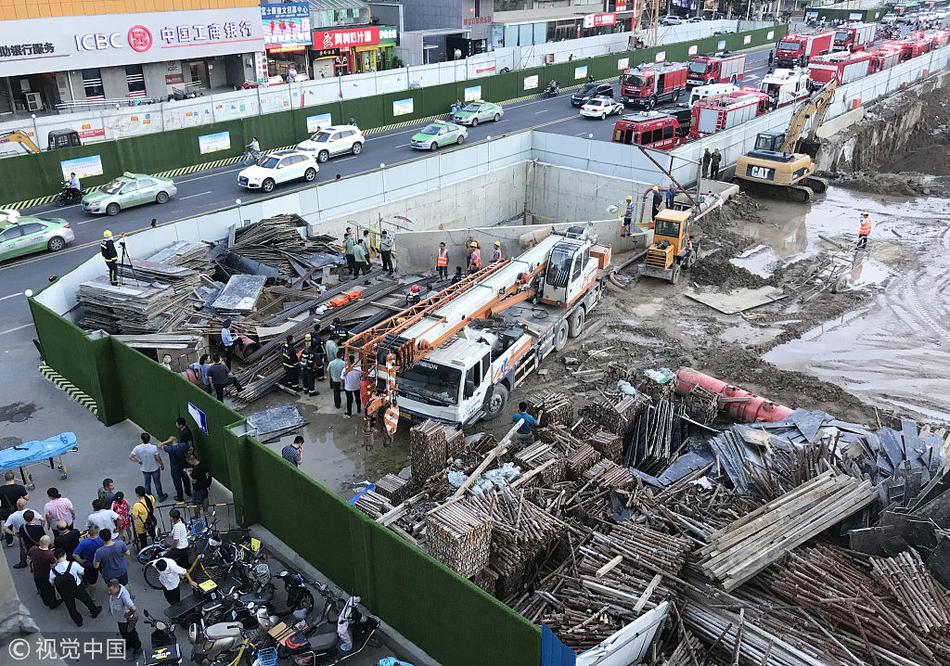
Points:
(250, 157)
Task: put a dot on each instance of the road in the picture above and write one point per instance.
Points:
(217, 188)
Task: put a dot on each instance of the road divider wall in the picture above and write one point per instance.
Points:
(201, 142)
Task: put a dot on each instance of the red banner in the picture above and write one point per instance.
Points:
(346, 38)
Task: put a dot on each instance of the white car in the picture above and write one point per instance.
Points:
(888, 18)
(671, 20)
(601, 107)
(280, 167)
(334, 140)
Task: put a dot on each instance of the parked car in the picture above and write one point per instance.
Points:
(334, 140)
(128, 190)
(601, 107)
(591, 90)
(887, 19)
(671, 20)
(476, 112)
(695, 19)
(26, 234)
(280, 167)
(438, 134)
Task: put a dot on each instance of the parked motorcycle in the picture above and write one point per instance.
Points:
(321, 646)
(69, 195)
(210, 641)
(553, 90)
(165, 650)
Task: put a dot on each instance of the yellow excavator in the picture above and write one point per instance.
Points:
(781, 164)
(17, 142)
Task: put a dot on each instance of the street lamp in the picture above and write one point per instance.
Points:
(382, 169)
(240, 220)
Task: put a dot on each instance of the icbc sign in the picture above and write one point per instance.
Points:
(98, 41)
(140, 38)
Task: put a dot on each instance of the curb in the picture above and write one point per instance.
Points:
(70, 389)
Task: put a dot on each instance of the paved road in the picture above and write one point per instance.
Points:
(217, 188)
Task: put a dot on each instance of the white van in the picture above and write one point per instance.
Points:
(711, 90)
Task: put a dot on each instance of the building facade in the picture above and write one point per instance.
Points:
(71, 55)
(438, 30)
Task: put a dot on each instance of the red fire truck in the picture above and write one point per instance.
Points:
(647, 85)
(719, 68)
(911, 48)
(651, 128)
(855, 37)
(715, 114)
(799, 49)
(939, 38)
(883, 58)
(843, 67)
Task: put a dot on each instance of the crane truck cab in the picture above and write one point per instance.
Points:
(672, 249)
(485, 340)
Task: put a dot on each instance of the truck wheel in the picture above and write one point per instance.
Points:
(561, 336)
(578, 322)
(676, 95)
(652, 103)
(495, 404)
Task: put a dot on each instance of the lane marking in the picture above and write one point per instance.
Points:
(541, 111)
(12, 296)
(17, 328)
(192, 196)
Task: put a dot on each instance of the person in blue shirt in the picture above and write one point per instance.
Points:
(85, 553)
(74, 182)
(201, 367)
(227, 341)
(525, 434)
(178, 447)
(670, 197)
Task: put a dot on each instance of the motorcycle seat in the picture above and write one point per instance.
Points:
(323, 641)
(222, 630)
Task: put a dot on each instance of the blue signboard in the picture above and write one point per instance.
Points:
(199, 417)
(286, 25)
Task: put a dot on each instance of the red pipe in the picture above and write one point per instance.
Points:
(748, 408)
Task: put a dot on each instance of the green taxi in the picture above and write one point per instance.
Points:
(438, 134)
(476, 112)
(128, 190)
(26, 234)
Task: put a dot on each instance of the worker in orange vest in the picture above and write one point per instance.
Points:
(864, 230)
(442, 262)
(496, 253)
(475, 258)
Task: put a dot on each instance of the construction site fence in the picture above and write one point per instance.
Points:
(206, 131)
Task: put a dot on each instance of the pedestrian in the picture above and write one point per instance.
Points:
(864, 231)
(525, 433)
(170, 576)
(106, 492)
(41, 561)
(65, 537)
(200, 482)
(227, 342)
(200, 368)
(110, 558)
(58, 508)
(386, 251)
(351, 384)
(707, 158)
(458, 275)
(110, 256)
(103, 517)
(335, 369)
(474, 257)
(496, 254)
(221, 378)
(122, 609)
(31, 531)
(177, 447)
(307, 366)
(670, 197)
(149, 459)
(85, 554)
(293, 453)
(657, 201)
(10, 494)
(330, 348)
(178, 538)
(627, 217)
(288, 360)
(144, 521)
(368, 247)
(121, 507)
(319, 362)
(66, 577)
(361, 258)
(442, 262)
(11, 529)
(771, 58)
(348, 244)
(714, 164)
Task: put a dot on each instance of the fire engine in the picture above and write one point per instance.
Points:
(715, 114)
(719, 68)
(648, 85)
(911, 48)
(883, 58)
(799, 49)
(651, 128)
(939, 38)
(855, 37)
(785, 86)
(843, 67)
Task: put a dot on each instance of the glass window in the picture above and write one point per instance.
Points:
(697, 67)
(559, 266)
(130, 186)
(430, 383)
(92, 84)
(10, 233)
(32, 228)
(578, 263)
(667, 228)
(474, 375)
(135, 79)
(668, 132)
(269, 162)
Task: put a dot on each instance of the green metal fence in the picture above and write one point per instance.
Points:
(31, 176)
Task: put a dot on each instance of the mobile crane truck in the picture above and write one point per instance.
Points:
(456, 356)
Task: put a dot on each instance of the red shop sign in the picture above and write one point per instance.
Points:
(347, 38)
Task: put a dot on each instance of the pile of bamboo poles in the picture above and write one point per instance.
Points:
(558, 408)
(923, 599)
(581, 459)
(540, 454)
(616, 416)
(431, 447)
(458, 534)
(393, 487)
(608, 474)
(608, 444)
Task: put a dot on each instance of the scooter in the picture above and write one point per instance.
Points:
(553, 90)
(69, 195)
(165, 650)
(210, 641)
(321, 646)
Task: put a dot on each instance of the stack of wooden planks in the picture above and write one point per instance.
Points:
(459, 535)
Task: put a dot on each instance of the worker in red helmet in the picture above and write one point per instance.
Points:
(414, 295)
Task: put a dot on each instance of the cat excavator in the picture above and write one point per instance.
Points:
(782, 163)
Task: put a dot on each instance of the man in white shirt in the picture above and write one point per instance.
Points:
(170, 576)
(14, 522)
(149, 459)
(103, 517)
(179, 535)
(66, 577)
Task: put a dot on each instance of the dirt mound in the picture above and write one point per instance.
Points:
(927, 149)
(907, 183)
(716, 269)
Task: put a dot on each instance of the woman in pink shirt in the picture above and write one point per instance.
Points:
(58, 508)
(121, 506)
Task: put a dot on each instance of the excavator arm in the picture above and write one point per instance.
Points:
(20, 137)
(815, 108)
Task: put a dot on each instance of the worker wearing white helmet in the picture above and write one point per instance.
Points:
(627, 217)
(110, 256)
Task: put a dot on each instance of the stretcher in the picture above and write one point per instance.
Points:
(23, 455)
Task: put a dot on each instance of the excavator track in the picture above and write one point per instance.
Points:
(796, 193)
(817, 185)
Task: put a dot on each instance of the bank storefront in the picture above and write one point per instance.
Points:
(88, 61)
